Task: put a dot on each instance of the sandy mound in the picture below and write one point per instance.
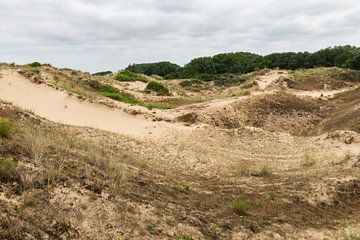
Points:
(273, 112)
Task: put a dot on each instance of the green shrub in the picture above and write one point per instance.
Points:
(35, 64)
(5, 127)
(7, 168)
(127, 76)
(240, 207)
(157, 87)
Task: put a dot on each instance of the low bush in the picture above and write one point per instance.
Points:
(127, 76)
(5, 127)
(35, 64)
(157, 87)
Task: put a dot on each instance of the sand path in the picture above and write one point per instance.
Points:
(59, 107)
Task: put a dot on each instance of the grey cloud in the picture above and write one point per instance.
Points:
(109, 34)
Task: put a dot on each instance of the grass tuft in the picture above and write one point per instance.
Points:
(5, 127)
(240, 207)
(7, 168)
(308, 160)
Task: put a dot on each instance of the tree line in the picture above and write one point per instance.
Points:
(245, 62)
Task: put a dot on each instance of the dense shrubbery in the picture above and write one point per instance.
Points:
(210, 68)
(161, 68)
(128, 76)
(158, 88)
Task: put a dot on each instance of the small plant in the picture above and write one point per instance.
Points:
(309, 160)
(7, 168)
(5, 127)
(240, 207)
(127, 76)
(157, 87)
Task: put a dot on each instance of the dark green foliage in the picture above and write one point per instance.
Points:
(213, 68)
(35, 64)
(158, 88)
(354, 62)
(159, 68)
(103, 73)
(127, 76)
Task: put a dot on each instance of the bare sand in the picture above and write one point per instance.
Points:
(60, 107)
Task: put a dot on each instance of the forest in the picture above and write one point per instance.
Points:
(245, 62)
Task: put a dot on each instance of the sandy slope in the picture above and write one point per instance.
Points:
(58, 106)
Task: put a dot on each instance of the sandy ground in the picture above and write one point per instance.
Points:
(193, 175)
(58, 106)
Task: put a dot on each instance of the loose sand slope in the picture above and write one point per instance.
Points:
(58, 106)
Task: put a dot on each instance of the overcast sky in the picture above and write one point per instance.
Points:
(95, 35)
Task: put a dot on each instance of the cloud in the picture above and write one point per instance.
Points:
(96, 35)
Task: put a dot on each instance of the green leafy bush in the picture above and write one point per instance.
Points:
(157, 87)
(127, 76)
(35, 64)
(5, 127)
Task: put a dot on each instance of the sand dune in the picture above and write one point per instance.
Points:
(58, 106)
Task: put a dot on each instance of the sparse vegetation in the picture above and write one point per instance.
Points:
(117, 95)
(185, 237)
(158, 88)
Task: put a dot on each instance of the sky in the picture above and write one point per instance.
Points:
(99, 35)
